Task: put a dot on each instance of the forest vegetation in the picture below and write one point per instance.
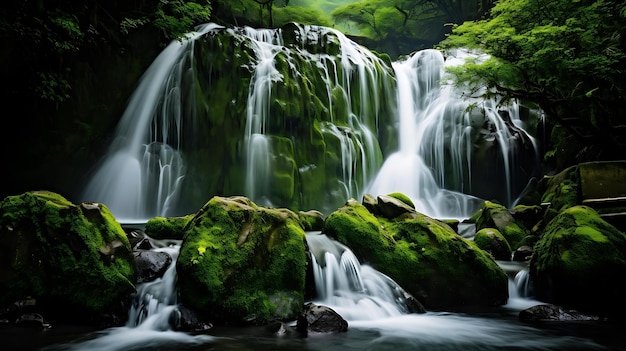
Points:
(62, 58)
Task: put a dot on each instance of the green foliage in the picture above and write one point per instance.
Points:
(178, 17)
(418, 22)
(566, 55)
(62, 31)
(284, 15)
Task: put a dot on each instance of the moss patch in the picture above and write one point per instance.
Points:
(577, 260)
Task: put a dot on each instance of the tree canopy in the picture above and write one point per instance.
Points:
(408, 24)
(61, 30)
(567, 55)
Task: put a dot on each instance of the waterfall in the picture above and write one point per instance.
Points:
(437, 130)
(318, 126)
(140, 176)
(149, 318)
(267, 43)
(357, 292)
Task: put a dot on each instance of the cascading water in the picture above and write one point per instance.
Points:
(267, 43)
(375, 306)
(140, 176)
(355, 291)
(337, 95)
(149, 318)
(437, 132)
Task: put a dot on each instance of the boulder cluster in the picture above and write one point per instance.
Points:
(244, 264)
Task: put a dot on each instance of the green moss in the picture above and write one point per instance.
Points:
(425, 256)
(402, 197)
(492, 241)
(69, 255)
(237, 257)
(575, 262)
(167, 227)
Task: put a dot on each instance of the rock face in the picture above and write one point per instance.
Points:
(241, 263)
(426, 257)
(74, 259)
(579, 261)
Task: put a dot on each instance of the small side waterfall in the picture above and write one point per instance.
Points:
(267, 43)
(357, 292)
(149, 318)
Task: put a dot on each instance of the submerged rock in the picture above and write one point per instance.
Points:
(549, 312)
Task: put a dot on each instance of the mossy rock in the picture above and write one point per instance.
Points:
(492, 241)
(402, 197)
(494, 215)
(312, 220)
(562, 191)
(579, 261)
(74, 259)
(425, 256)
(243, 264)
(167, 227)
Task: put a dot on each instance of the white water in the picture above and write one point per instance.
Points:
(375, 305)
(149, 319)
(372, 303)
(141, 174)
(357, 292)
(436, 132)
(144, 170)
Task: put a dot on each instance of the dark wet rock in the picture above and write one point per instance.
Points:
(320, 319)
(186, 320)
(32, 320)
(523, 253)
(549, 312)
(151, 264)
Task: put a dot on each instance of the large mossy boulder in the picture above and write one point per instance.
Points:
(74, 259)
(580, 262)
(241, 263)
(425, 256)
